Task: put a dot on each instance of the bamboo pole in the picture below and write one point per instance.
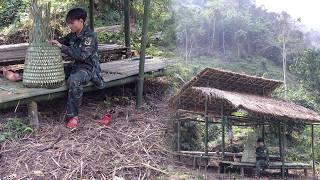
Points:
(263, 132)
(223, 130)
(127, 23)
(91, 6)
(283, 149)
(312, 148)
(179, 138)
(206, 132)
(142, 56)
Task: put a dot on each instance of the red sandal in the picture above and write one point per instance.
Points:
(72, 122)
(105, 120)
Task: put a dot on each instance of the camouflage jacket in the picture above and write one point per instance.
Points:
(262, 153)
(83, 49)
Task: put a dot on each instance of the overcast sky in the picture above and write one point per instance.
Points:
(307, 10)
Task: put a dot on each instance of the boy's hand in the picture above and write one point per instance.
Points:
(56, 43)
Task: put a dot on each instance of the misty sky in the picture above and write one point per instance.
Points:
(307, 10)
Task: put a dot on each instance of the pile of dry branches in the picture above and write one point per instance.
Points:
(131, 147)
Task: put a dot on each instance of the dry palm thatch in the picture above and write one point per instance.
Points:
(256, 106)
(230, 81)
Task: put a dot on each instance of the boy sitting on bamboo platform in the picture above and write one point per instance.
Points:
(262, 156)
(82, 46)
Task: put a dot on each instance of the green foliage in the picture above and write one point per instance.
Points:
(193, 135)
(11, 10)
(14, 128)
(110, 38)
(307, 68)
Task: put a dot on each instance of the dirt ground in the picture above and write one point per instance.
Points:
(138, 144)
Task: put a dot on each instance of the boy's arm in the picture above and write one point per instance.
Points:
(82, 53)
(65, 40)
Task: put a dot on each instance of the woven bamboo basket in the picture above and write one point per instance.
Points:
(43, 65)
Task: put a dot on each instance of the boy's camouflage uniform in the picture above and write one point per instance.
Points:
(83, 49)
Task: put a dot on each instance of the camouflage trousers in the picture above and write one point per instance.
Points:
(261, 165)
(76, 79)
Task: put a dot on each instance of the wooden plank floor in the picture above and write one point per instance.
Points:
(112, 71)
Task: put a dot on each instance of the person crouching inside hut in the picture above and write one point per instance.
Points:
(82, 46)
(262, 156)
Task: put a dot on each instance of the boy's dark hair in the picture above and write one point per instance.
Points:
(76, 14)
(260, 140)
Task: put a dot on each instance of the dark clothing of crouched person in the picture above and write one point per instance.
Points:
(262, 156)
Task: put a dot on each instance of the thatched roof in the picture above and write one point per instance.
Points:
(256, 106)
(231, 81)
(192, 97)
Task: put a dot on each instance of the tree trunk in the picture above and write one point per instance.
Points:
(284, 62)
(213, 33)
(190, 49)
(223, 43)
(186, 47)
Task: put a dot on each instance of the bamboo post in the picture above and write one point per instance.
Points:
(223, 130)
(281, 148)
(312, 148)
(280, 144)
(263, 132)
(33, 114)
(127, 23)
(91, 6)
(142, 56)
(179, 139)
(206, 131)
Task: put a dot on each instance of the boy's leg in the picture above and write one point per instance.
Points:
(259, 167)
(75, 90)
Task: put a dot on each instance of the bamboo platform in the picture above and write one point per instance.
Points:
(114, 74)
(272, 165)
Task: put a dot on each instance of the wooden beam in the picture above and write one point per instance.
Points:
(142, 54)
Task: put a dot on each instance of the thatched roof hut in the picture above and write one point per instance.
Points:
(229, 92)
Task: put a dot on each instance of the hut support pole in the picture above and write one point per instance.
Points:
(127, 24)
(33, 114)
(312, 148)
(281, 147)
(206, 131)
(223, 131)
(179, 138)
(263, 132)
(91, 6)
(142, 56)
